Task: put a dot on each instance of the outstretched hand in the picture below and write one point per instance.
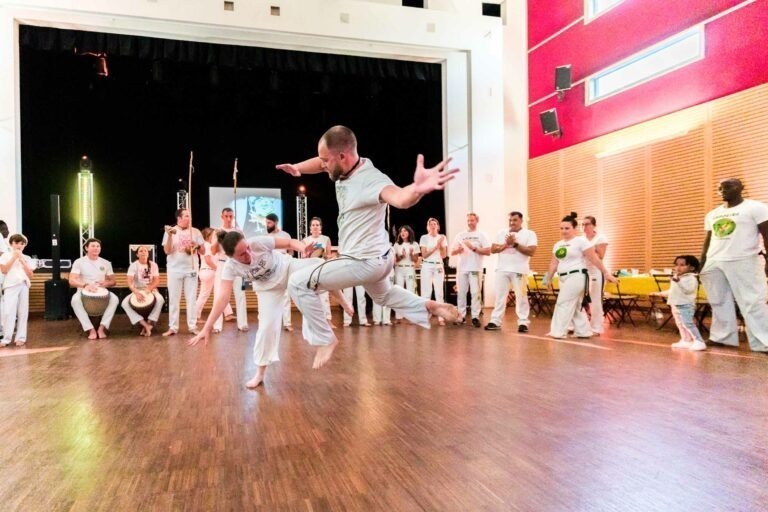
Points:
(289, 168)
(203, 335)
(428, 180)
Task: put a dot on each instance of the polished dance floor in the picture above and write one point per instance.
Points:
(452, 419)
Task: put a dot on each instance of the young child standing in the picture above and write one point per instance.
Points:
(15, 291)
(683, 287)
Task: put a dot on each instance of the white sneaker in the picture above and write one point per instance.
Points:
(698, 346)
(682, 344)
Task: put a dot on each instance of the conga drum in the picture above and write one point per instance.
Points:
(95, 303)
(145, 306)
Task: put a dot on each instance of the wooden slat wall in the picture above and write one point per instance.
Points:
(650, 199)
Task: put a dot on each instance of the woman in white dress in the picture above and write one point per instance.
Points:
(406, 255)
(596, 282)
(434, 248)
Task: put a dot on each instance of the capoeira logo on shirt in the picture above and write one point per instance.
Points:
(260, 272)
(723, 227)
(561, 252)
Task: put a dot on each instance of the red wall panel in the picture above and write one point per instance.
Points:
(736, 57)
(546, 17)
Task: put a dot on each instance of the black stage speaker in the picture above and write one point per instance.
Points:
(563, 78)
(549, 123)
(56, 288)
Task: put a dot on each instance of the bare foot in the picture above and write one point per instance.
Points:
(444, 311)
(169, 332)
(102, 332)
(92, 334)
(229, 318)
(146, 328)
(257, 379)
(323, 354)
(288, 328)
(440, 321)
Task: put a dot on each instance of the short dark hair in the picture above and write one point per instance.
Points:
(180, 212)
(516, 214)
(571, 218)
(227, 210)
(16, 238)
(207, 233)
(339, 138)
(273, 217)
(690, 260)
(590, 219)
(90, 241)
(228, 240)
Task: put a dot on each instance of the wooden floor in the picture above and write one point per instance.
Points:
(448, 419)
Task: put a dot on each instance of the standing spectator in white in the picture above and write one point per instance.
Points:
(207, 273)
(365, 258)
(406, 255)
(4, 247)
(596, 282)
(470, 246)
(241, 307)
(321, 249)
(515, 247)
(17, 270)
(434, 248)
(382, 315)
(734, 267)
(143, 276)
(359, 296)
(569, 260)
(275, 232)
(89, 273)
(181, 243)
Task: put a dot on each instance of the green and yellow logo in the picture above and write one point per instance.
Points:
(561, 252)
(723, 227)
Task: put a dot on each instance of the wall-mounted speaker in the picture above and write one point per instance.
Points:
(549, 123)
(563, 78)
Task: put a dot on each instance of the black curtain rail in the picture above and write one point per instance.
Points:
(241, 57)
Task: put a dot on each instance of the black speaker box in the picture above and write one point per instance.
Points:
(56, 299)
(563, 78)
(549, 123)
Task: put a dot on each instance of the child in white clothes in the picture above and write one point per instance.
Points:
(17, 272)
(681, 298)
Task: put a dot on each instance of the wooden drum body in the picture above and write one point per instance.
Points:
(145, 306)
(95, 303)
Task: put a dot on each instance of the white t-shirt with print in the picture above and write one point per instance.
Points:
(570, 254)
(597, 240)
(512, 260)
(406, 250)
(267, 269)
(429, 242)
(320, 242)
(470, 261)
(15, 274)
(179, 261)
(361, 213)
(734, 230)
(142, 274)
(91, 271)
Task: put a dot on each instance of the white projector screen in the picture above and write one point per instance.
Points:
(251, 207)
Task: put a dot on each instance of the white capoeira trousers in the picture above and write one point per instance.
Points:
(85, 321)
(345, 272)
(519, 288)
(596, 283)
(178, 281)
(240, 305)
(287, 309)
(271, 304)
(405, 277)
(383, 314)
(207, 278)
(468, 282)
(359, 294)
(134, 317)
(15, 312)
(744, 281)
(568, 308)
(432, 276)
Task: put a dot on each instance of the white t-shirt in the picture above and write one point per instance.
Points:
(320, 242)
(91, 271)
(597, 240)
(570, 254)
(406, 250)
(280, 234)
(204, 264)
(734, 230)
(470, 261)
(361, 213)
(179, 261)
(429, 242)
(142, 274)
(4, 247)
(267, 268)
(16, 273)
(684, 291)
(512, 260)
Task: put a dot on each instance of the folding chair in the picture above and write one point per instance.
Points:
(658, 299)
(617, 306)
(546, 297)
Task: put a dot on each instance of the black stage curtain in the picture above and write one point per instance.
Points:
(163, 98)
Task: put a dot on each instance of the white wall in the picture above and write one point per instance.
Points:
(451, 32)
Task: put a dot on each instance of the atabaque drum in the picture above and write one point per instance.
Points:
(142, 302)
(95, 302)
